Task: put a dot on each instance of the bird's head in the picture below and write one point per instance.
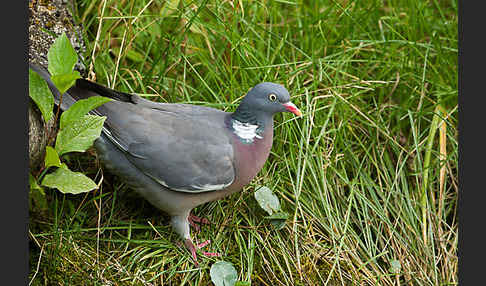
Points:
(269, 98)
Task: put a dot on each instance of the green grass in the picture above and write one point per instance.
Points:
(359, 173)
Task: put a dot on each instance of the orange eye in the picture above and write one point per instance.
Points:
(272, 97)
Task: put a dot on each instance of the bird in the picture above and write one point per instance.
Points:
(179, 156)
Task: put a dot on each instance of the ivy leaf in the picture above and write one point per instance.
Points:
(61, 56)
(67, 181)
(80, 134)
(267, 200)
(41, 95)
(64, 81)
(79, 109)
(223, 274)
(51, 159)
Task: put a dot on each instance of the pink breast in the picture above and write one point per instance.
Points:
(250, 158)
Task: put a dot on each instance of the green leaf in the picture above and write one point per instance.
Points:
(64, 81)
(36, 194)
(67, 181)
(61, 56)
(79, 135)
(277, 223)
(41, 95)
(51, 159)
(242, 283)
(80, 109)
(34, 185)
(267, 200)
(223, 274)
(278, 219)
(135, 56)
(279, 215)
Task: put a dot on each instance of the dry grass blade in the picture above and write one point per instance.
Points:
(91, 73)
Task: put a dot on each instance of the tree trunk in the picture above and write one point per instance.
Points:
(53, 16)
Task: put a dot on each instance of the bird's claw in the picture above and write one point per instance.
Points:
(192, 249)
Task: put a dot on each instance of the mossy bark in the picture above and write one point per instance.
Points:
(53, 16)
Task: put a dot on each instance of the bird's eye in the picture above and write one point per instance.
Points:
(272, 97)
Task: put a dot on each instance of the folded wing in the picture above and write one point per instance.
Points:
(185, 148)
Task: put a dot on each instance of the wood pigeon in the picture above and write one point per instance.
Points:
(179, 156)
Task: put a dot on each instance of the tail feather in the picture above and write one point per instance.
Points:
(66, 100)
(82, 89)
(103, 90)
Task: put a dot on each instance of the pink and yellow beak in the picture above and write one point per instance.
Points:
(292, 108)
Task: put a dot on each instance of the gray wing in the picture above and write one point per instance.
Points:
(183, 147)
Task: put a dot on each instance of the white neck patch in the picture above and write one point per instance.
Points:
(245, 131)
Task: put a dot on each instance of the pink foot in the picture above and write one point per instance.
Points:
(209, 254)
(192, 219)
(203, 244)
(190, 246)
(192, 249)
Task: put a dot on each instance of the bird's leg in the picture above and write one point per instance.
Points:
(181, 223)
(190, 246)
(192, 221)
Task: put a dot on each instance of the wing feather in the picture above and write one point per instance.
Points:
(182, 150)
